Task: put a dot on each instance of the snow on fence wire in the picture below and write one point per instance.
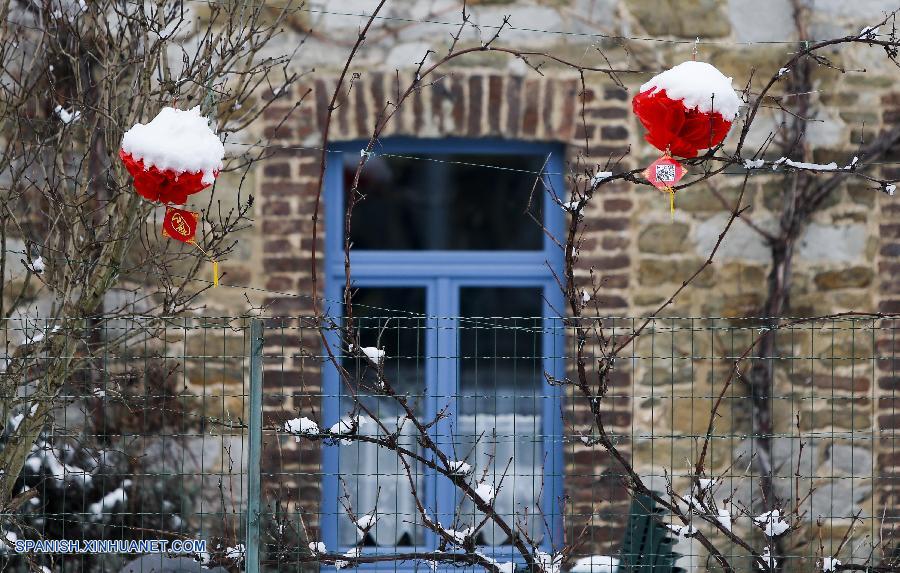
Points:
(281, 452)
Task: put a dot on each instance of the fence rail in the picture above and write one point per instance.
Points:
(268, 438)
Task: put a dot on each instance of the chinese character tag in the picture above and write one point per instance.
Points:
(181, 225)
(664, 174)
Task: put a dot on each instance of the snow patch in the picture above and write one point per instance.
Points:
(459, 468)
(109, 501)
(770, 559)
(600, 176)
(485, 491)
(376, 355)
(317, 547)
(754, 163)
(700, 85)
(772, 523)
(595, 564)
(65, 115)
(181, 141)
(340, 563)
(830, 564)
(366, 522)
(236, 552)
(301, 426)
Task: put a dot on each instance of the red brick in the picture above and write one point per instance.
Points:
(530, 115)
(616, 93)
(547, 115)
(276, 208)
(513, 106)
(608, 263)
(476, 92)
(613, 132)
(617, 204)
(611, 223)
(280, 169)
(612, 243)
(284, 264)
(607, 113)
(277, 246)
(279, 283)
(459, 102)
(495, 103)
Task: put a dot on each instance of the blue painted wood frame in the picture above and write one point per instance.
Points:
(442, 273)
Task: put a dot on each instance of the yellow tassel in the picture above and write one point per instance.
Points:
(215, 273)
(672, 203)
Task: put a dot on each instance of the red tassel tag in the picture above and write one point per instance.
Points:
(180, 225)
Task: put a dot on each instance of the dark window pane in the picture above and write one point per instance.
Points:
(436, 202)
(376, 483)
(499, 422)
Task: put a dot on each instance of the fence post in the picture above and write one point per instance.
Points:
(251, 563)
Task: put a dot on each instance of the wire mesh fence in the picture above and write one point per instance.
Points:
(406, 441)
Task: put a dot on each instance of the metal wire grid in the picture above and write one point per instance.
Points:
(185, 442)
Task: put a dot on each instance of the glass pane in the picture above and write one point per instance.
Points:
(373, 480)
(498, 428)
(438, 202)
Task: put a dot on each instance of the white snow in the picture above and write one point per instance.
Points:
(572, 205)
(301, 426)
(317, 547)
(682, 530)
(38, 266)
(109, 501)
(869, 32)
(549, 563)
(374, 354)
(366, 522)
(724, 517)
(459, 536)
(485, 491)
(340, 563)
(345, 426)
(770, 560)
(890, 189)
(772, 523)
(801, 165)
(829, 564)
(65, 115)
(754, 163)
(783, 71)
(459, 468)
(595, 564)
(236, 552)
(699, 85)
(601, 175)
(181, 141)
(585, 297)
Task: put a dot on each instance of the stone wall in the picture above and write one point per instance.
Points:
(847, 259)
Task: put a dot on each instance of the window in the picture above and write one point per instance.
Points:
(453, 280)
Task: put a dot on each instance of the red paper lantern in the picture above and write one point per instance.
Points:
(671, 126)
(162, 185)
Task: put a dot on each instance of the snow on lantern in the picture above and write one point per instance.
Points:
(173, 156)
(685, 109)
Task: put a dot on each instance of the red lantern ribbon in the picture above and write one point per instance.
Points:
(181, 225)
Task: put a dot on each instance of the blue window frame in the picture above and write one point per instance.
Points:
(444, 274)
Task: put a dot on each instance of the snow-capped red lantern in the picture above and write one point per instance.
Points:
(173, 156)
(687, 108)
